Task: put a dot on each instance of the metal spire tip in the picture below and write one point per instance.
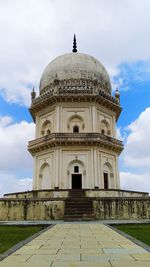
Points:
(74, 50)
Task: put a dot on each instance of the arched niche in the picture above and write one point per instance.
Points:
(75, 122)
(44, 176)
(105, 128)
(46, 127)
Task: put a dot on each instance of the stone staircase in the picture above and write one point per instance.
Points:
(78, 207)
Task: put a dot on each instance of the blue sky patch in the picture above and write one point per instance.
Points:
(134, 89)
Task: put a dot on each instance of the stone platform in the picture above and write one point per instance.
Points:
(50, 205)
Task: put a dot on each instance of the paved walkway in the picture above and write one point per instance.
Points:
(79, 245)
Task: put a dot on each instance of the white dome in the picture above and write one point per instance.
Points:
(75, 66)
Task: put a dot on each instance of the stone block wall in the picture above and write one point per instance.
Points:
(50, 205)
(19, 210)
(122, 208)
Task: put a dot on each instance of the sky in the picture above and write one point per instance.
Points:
(32, 34)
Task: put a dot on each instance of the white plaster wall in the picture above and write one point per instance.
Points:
(61, 159)
(91, 114)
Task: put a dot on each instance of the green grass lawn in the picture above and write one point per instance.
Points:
(139, 231)
(11, 235)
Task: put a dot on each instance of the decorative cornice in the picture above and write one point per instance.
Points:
(75, 139)
(75, 95)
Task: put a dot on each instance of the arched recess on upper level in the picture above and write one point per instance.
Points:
(105, 127)
(46, 127)
(44, 176)
(75, 123)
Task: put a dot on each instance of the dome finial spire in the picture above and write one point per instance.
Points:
(74, 50)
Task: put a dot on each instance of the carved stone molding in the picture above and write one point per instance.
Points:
(75, 139)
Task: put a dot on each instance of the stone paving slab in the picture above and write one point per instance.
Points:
(79, 245)
(8, 264)
(104, 258)
(141, 257)
(126, 263)
(124, 251)
(80, 264)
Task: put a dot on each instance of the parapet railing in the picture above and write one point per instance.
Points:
(76, 137)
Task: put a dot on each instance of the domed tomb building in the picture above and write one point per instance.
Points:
(75, 115)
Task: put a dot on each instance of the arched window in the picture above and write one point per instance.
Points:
(105, 128)
(46, 128)
(75, 123)
(103, 131)
(76, 129)
(76, 169)
(48, 131)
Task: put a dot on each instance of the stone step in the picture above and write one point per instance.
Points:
(77, 200)
(85, 217)
(84, 206)
(77, 193)
(78, 207)
(81, 207)
(79, 214)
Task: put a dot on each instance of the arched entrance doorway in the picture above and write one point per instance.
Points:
(76, 178)
(107, 171)
(106, 180)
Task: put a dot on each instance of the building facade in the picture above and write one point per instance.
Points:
(75, 115)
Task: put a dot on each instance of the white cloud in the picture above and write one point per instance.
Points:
(15, 160)
(13, 143)
(9, 184)
(5, 121)
(135, 181)
(136, 155)
(34, 32)
(137, 148)
(121, 134)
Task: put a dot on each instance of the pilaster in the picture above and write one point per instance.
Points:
(95, 168)
(57, 119)
(56, 181)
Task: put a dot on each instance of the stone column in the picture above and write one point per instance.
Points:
(56, 166)
(60, 118)
(91, 185)
(95, 169)
(99, 169)
(57, 119)
(102, 174)
(35, 178)
(114, 127)
(94, 118)
(116, 174)
(60, 164)
(37, 128)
